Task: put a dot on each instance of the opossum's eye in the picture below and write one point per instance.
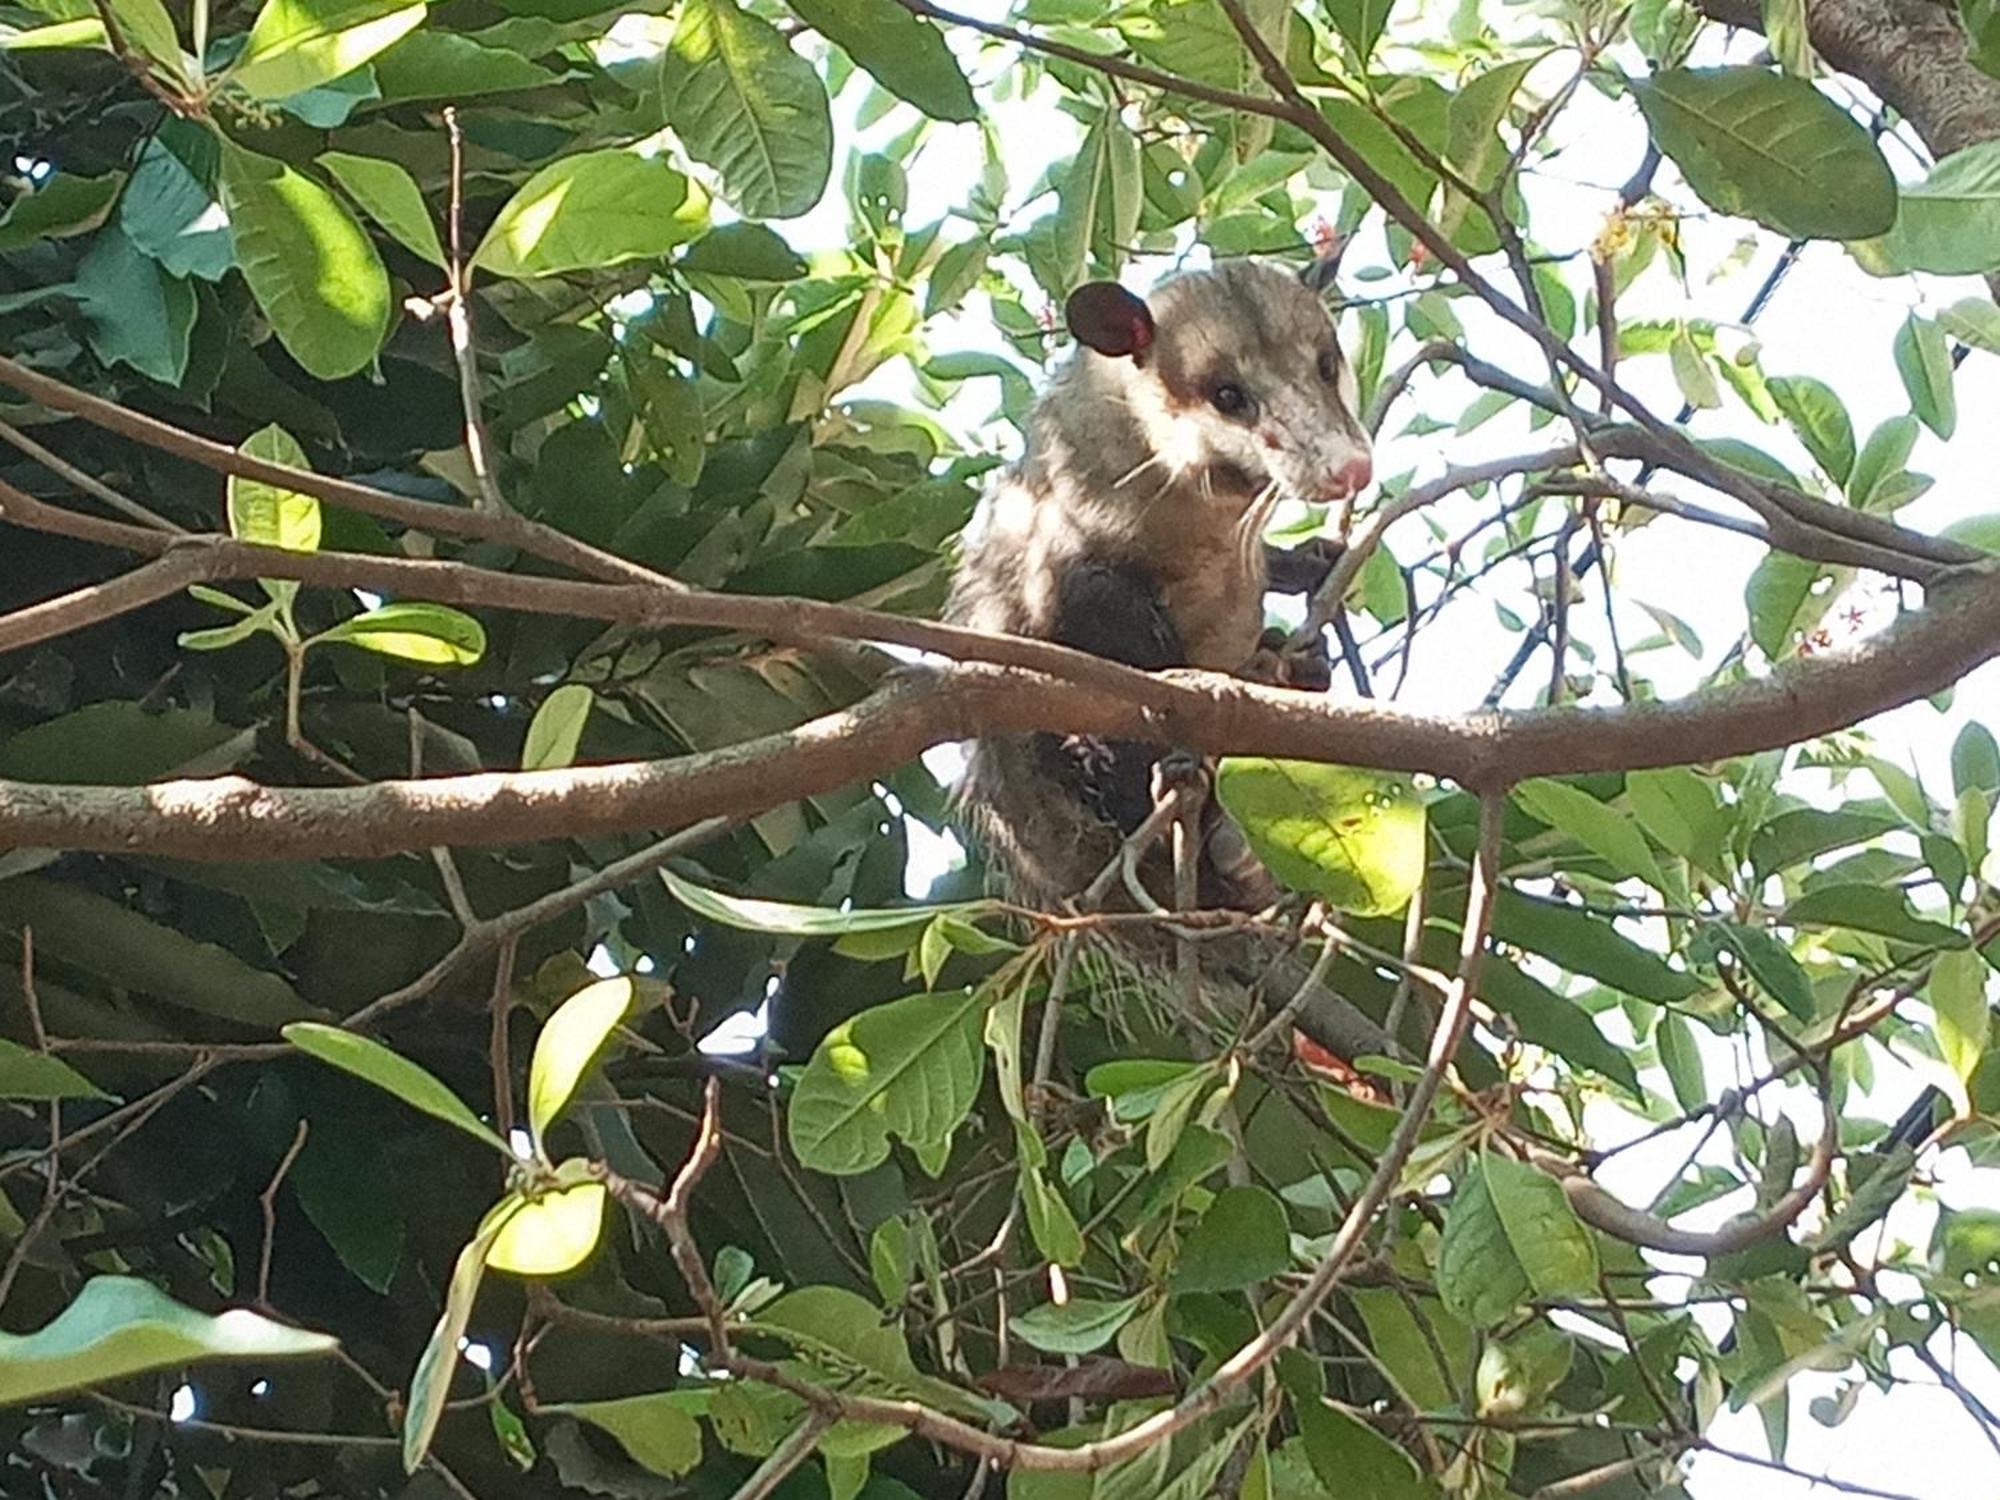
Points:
(1329, 366)
(1230, 399)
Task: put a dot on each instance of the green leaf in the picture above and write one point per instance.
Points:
(147, 25)
(83, 31)
(1352, 1458)
(1791, 42)
(1682, 1060)
(1870, 908)
(430, 64)
(1772, 149)
(368, 1059)
(1958, 1001)
(134, 313)
(1082, 1325)
(909, 1068)
(743, 102)
(66, 204)
(119, 1326)
(389, 195)
(1772, 966)
(264, 513)
(1509, 1235)
(750, 252)
(658, 1431)
(1354, 838)
(1241, 1240)
(791, 920)
(569, 1043)
(557, 728)
(295, 45)
(310, 266)
(430, 1384)
(433, 634)
(1949, 223)
(550, 1235)
(1051, 1225)
(1585, 944)
(589, 211)
(1804, 833)
(1556, 1252)
(1982, 532)
(1975, 760)
(170, 210)
(1924, 362)
(1360, 24)
(1974, 321)
(25, 1074)
(908, 57)
(891, 1260)
(1882, 457)
(1606, 831)
(1819, 418)
(1479, 1277)
(1518, 1372)
(115, 942)
(1692, 374)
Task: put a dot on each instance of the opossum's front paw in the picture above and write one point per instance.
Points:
(1179, 771)
(1302, 569)
(1280, 664)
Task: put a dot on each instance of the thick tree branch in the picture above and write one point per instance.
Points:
(233, 818)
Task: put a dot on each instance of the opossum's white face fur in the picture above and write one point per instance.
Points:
(1235, 378)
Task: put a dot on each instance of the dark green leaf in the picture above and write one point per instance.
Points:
(1975, 760)
(909, 1068)
(747, 105)
(907, 56)
(1770, 148)
(1870, 908)
(1352, 1458)
(749, 251)
(1241, 1240)
(64, 205)
(134, 313)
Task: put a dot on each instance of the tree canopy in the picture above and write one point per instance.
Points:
(483, 1009)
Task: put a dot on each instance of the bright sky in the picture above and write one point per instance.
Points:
(1829, 320)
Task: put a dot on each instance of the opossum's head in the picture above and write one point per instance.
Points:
(1236, 379)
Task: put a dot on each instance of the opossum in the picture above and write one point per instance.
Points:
(1132, 528)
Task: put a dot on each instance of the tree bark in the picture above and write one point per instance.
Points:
(1911, 53)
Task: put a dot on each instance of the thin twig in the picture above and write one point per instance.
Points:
(458, 320)
(267, 1203)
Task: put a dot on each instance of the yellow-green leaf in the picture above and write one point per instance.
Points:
(553, 1234)
(265, 513)
(1354, 838)
(569, 1043)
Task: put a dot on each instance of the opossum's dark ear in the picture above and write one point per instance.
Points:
(1320, 273)
(1103, 316)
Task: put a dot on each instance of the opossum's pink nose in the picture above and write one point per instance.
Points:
(1350, 478)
